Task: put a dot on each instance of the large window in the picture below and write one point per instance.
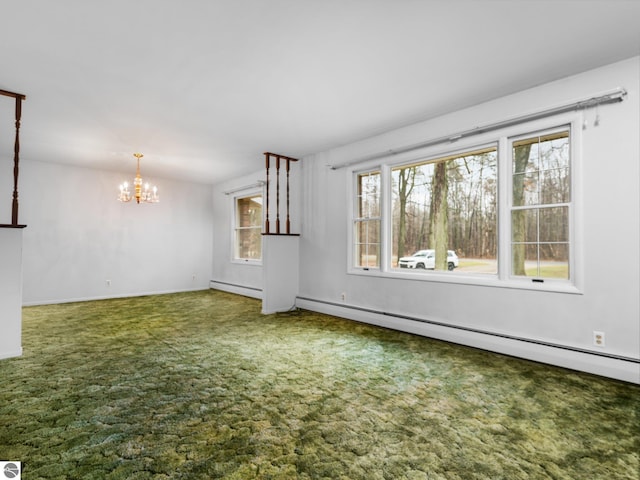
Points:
(248, 228)
(497, 212)
(367, 220)
(444, 213)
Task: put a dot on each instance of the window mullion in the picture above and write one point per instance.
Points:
(505, 185)
(385, 222)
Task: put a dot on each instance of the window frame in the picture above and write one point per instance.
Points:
(234, 226)
(501, 138)
(542, 206)
(436, 158)
(355, 219)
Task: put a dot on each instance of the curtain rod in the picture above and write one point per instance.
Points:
(614, 96)
(259, 183)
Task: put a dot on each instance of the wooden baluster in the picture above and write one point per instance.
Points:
(16, 162)
(278, 195)
(278, 158)
(288, 221)
(266, 223)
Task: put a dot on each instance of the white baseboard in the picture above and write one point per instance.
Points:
(619, 368)
(107, 297)
(11, 354)
(238, 289)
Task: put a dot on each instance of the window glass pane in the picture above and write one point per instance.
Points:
(554, 152)
(368, 231)
(525, 156)
(249, 211)
(372, 259)
(541, 170)
(525, 189)
(525, 260)
(449, 203)
(539, 146)
(554, 186)
(554, 260)
(249, 243)
(554, 224)
(367, 248)
(373, 232)
(369, 195)
(544, 260)
(524, 225)
(367, 255)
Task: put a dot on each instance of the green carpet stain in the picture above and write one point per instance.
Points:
(201, 385)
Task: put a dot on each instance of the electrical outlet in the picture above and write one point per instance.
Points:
(108, 282)
(598, 338)
(343, 296)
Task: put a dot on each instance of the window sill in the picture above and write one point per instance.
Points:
(487, 280)
(246, 261)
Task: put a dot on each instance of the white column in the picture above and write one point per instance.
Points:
(10, 292)
(280, 258)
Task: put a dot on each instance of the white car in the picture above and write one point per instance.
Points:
(427, 259)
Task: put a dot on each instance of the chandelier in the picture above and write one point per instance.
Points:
(142, 194)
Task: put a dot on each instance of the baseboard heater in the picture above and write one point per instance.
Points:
(601, 363)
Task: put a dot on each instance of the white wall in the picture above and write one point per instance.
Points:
(79, 236)
(227, 274)
(610, 237)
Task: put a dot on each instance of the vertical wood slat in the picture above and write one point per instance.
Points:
(288, 161)
(278, 195)
(288, 221)
(16, 153)
(16, 162)
(266, 223)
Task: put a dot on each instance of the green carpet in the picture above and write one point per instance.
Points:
(200, 385)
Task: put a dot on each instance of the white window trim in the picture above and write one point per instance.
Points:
(503, 278)
(351, 219)
(234, 202)
(575, 278)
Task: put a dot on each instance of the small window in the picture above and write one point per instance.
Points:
(248, 228)
(541, 206)
(367, 221)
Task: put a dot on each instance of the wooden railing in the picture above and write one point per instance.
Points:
(16, 159)
(287, 161)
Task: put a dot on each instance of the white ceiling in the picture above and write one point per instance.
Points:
(204, 87)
